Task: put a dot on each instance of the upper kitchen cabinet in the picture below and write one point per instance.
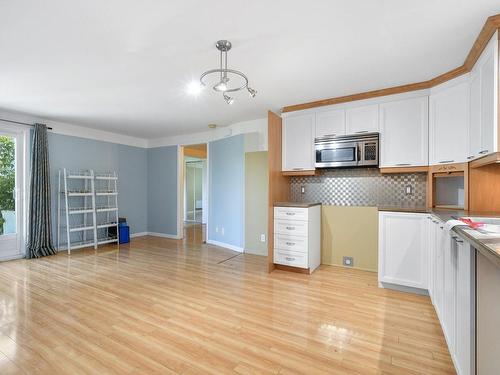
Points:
(404, 133)
(362, 119)
(483, 130)
(330, 123)
(298, 142)
(449, 121)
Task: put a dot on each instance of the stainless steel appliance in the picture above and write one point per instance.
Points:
(358, 150)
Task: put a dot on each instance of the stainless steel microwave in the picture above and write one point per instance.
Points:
(358, 150)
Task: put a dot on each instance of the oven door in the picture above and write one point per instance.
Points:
(337, 154)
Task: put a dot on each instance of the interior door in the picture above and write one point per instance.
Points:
(11, 202)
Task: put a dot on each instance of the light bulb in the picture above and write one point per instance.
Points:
(252, 92)
(194, 88)
(221, 86)
(229, 100)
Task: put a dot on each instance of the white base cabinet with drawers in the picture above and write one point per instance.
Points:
(297, 236)
(416, 250)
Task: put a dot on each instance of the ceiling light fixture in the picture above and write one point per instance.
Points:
(225, 75)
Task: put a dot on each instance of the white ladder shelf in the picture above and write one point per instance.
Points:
(87, 207)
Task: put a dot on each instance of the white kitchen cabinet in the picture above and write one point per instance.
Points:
(298, 142)
(449, 121)
(404, 133)
(363, 119)
(450, 295)
(403, 249)
(442, 242)
(297, 236)
(483, 127)
(465, 308)
(330, 123)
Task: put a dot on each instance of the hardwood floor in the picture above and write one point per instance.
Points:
(159, 306)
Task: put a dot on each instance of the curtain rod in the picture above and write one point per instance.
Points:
(21, 123)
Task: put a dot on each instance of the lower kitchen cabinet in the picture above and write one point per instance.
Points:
(416, 250)
(465, 307)
(403, 249)
(297, 236)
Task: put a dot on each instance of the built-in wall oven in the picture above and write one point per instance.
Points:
(358, 150)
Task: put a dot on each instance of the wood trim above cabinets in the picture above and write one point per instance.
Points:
(422, 169)
(490, 26)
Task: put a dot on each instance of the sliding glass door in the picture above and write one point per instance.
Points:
(11, 204)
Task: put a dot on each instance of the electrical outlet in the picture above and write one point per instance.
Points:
(222, 230)
(262, 238)
(302, 190)
(409, 190)
(348, 261)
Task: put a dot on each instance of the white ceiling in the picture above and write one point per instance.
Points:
(123, 65)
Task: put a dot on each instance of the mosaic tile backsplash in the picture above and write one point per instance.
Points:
(360, 187)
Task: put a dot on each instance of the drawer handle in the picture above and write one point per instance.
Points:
(290, 243)
(457, 240)
(402, 164)
(290, 228)
(289, 258)
(297, 169)
(361, 131)
(446, 161)
(470, 157)
(484, 152)
(290, 213)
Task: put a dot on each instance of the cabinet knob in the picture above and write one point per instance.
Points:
(289, 258)
(290, 228)
(483, 152)
(290, 243)
(470, 157)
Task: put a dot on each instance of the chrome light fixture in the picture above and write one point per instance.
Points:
(226, 77)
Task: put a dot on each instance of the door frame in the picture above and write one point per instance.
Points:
(22, 133)
(181, 188)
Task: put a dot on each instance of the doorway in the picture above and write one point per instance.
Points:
(12, 170)
(195, 192)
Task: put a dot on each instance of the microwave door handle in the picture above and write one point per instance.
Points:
(358, 153)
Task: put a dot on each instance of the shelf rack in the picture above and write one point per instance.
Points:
(87, 208)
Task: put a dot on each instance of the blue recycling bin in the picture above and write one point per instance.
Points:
(124, 233)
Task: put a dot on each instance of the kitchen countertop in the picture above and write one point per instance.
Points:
(297, 204)
(486, 244)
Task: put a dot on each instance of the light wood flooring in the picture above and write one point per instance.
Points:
(159, 306)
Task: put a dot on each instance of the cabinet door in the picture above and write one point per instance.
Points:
(489, 88)
(465, 335)
(475, 115)
(403, 249)
(298, 143)
(432, 255)
(448, 124)
(362, 119)
(404, 132)
(330, 123)
(450, 285)
(442, 243)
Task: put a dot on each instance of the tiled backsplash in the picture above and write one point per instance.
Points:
(360, 187)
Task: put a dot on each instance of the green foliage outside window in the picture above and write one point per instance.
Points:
(7, 177)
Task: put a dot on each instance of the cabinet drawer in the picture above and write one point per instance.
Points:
(292, 213)
(290, 227)
(293, 243)
(290, 258)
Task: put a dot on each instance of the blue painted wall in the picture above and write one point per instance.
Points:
(76, 153)
(227, 190)
(162, 167)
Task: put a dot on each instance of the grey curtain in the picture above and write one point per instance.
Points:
(39, 229)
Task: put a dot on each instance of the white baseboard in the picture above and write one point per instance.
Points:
(163, 235)
(225, 245)
(139, 234)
